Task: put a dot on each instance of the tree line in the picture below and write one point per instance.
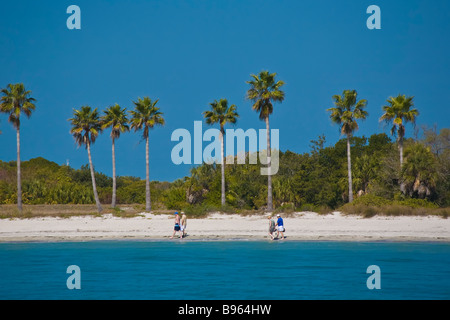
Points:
(315, 180)
(418, 169)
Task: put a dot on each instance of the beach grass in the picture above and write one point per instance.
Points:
(8, 211)
(371, 205)
(366, 210)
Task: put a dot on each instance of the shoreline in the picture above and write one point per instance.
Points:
(23, 240)
(300, 226)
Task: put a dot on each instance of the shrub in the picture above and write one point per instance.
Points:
(371, 200)
(286, 208)
(198, 210)
(175, 198)
(417, 203)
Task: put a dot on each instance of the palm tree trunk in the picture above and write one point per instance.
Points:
(19, 182)
(349, 166)
(113, 201)
(223, 168)
(94, 186)
(269, 168)
(148, 204)
(400, 148)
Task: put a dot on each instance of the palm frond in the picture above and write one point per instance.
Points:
(16, 100)
(115, 118)
(221, 113)
(347, 109)
(399, 112)
(263, 91)
(145, 115)
(86, 125)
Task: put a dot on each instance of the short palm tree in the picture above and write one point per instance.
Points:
(146, 116)
(86, 126)
(17, 100)
(345, 114)
(264, 90)
(115, 118)
(419, 170)
(399, 112)
(221, 113)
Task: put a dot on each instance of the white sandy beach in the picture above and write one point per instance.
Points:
(299, 226)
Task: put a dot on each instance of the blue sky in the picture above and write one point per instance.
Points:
(188, 53)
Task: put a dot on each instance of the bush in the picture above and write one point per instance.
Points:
(198, 210)
(320, 209)
(369, 211)
(286, 208)
(202, 210)
(175, 198)
(394, 209)
(370, 205)
(417, 203)
(371, 200)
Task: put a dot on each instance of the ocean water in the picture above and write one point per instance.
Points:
(229, 270)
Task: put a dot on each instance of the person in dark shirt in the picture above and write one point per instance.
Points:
(280, 226)
(177, 225)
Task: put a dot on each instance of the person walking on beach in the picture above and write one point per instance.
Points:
(177, 225)
(280, 226)
(183, 224)
(271, 227)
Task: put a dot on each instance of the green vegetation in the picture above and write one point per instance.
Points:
(399, 112)
(370, 205)
(115, 118)
(15, 101)
(86, 127)
(345, 113)
(222, 114)
(313, 181)
(146, 116)
(415, 180)
(264, 90)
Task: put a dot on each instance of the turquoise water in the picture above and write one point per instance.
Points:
(224, 270)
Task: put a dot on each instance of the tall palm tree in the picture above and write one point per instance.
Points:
(86, 126)
(222, 114)
(17, 100)
(145, 116)
(116, 118)
(399, 112)
(345, 114)
(264, 90)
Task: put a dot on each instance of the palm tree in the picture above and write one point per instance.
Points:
(264, 90)
(399, 112)
(222, 114)
(116, 118)
(145, 116)
(17, 100)
(345, 114)
(419, 171)
(86, 126)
